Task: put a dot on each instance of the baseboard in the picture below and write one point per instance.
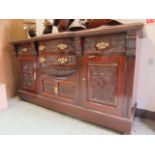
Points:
(145, 114)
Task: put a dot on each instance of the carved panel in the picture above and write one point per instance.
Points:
(48, 87)
(102, 83)
(59, 71)
(59, 45)
(28, 74)
(105, 44)
(66, 90)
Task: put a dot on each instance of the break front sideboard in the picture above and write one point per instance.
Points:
(87, 74)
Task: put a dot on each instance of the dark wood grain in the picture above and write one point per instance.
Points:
(87, 74)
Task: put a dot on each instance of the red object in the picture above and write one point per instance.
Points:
(148, 21)
(93, 23)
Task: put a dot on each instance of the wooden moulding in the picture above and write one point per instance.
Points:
(97, 31)
(110, 121)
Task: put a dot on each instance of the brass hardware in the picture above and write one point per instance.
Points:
(42, 48)
(35, 76)
(83, 79)
(62, 60)
(56, 90)
(62, 46)
(91, 56)
(24, 50)
(42, 59)
(102, 45)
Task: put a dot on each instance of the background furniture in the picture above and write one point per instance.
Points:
(87, 74)
(3, 98)
(10, 29)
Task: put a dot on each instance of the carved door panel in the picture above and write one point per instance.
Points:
(28, 73)
(103, 83)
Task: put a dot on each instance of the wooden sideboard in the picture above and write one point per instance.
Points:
(87, 74)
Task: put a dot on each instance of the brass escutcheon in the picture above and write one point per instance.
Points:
(42, 59)
(102, 45)
(41, 48)
(62, 46)
(24, 50)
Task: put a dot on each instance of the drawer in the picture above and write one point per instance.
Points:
(27, 49)
(57, 65)
(56, 46)
(57, 60)
(105, 44)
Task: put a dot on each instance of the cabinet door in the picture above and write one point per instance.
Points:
(59, 80)
(28, 73)
(103, 83)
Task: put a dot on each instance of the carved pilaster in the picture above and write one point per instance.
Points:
(131, 43)
(78, 45)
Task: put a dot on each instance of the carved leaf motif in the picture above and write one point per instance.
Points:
(102, 83)
(28, 74)
(66, 90)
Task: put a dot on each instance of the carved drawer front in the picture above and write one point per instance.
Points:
(105, 44)
(58, 65)
(27, 49)
(56, 46)
(28, 74)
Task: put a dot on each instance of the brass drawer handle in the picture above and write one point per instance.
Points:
(102, 45)
(42, 59)
(56, 90)
(62, 60)
(35, 76)
(91, 56)
(42, 48)
(24, 50)
(62, 46)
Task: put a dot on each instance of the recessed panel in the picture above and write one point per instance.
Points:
(102, 83)
(66, 90)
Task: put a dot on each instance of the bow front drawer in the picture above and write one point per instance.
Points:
(105, 44)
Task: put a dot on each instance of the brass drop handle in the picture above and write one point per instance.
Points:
(42, 59)
(102, 45)
(42, 48)
(35, 76)
(62, 46)
(91, 56)
(56, 90)
(62, 60)
(24, 50)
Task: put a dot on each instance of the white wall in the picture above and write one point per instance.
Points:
(145, 65)
(40, 26)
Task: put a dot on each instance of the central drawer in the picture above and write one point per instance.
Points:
(57, 65)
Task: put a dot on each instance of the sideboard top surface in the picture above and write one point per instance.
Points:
(96, 31)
